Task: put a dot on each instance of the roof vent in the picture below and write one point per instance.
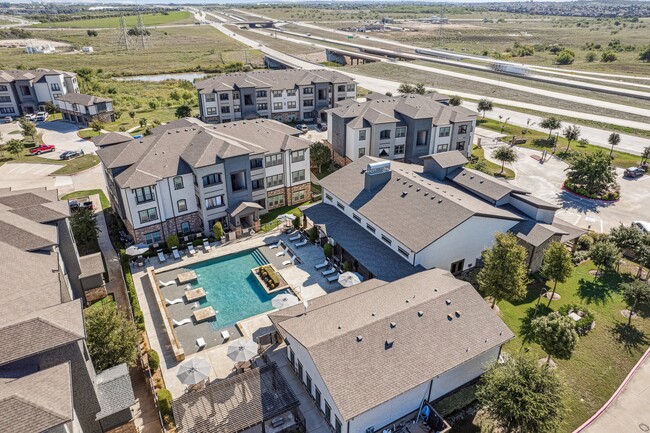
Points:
(457, 313)
(486, 340)
(420, 313)
(388, 344)
(463, 174)
(373, 314)
(393, 324)
(411, 186)
(399, 178)
(450, 317)
(435, 290)
(339, 327)
(426, 193)
(471, 177)
(418, 189)
(439, 201)
(169, 132)
(481, 181)
(404, 194)
(404, 183)
(501, 333)
(448, 302)
(467, 350)
(359, 337)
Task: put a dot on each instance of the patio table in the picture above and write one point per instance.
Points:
(195, 294)
(186, 277)
(204, 314)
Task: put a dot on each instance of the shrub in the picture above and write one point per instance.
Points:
(565, 57)
(154, 360)
(197, 242)
(313, 235)
(164, 402)
(296, 223)
(138, 316)
(328, 250)
(275, 280)
(580, 256)
(583, 326)
(590, 57)
(172, 241)
(585, 242)
(347, 267)
(608, 57)
(217, 229)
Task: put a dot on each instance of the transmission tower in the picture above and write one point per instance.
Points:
(142, 32)
(123, 36)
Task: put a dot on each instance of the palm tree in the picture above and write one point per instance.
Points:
(504, 154)
(551, 123)
(613, 139)
(484, 105)
(571, 133)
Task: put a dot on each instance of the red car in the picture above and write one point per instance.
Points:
(44, 148)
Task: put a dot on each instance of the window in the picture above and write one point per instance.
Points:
(292, 358)
(317, 397)
(308, 91)
(422, 138)
(7, 110)
(152, 238)
(236, 108)
(276, 201)
(444, 131)
(182, 205)
(400, 132)
(291, 92)
(328, 412)
(341, 88)
(277, 105)
(457, 267)
(257, 163)
(399, 149)
(235, 95)
(185, 227)
(383, 152)
(276, 180)
(5, 98)
(386, 239)
(273, 160)
(308, 103)
(385, 134)
(148, 215)
(211, 111)
(261, 94)
(340, 205)
(403, 252)
(211, 179)
(351, 87)
(362, 151)
(356, 217)
(298, 176)
(308, 383)
(225, 110)
(337, 424)
(362, 135)
(298, 196)
(198, 201)
(277, 93)
(210, 97)
(213, 202)
(298, 155)
(55, 87)
(144, 194)
(443, 147)
(462, 129)
(307, 115)
(460, 145)
(238, 180)
(328, 197)
(224, 97)
(248, 99)
(371, 228)
(291, 104)
(3, 88)
(25, 91)
(300, 371)
(257, 184)
(178, 182)
(263, 106)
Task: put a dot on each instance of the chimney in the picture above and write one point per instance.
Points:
(377, 174)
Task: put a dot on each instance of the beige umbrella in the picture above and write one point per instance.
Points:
(242, 350)
(347, 279)
(284, 301)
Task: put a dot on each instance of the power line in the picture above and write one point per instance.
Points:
(123, 36)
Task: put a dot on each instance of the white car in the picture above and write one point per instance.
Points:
(30, 116)
(643, 225)
(41, 116)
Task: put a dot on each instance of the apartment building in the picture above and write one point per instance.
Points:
(47, 379)
(84, 109)
(27, 91)
(286, 95)
(188, 175)
(402, 128)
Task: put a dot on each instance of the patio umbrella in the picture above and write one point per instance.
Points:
(193, 371)
(136, 250)
(284, 301)
(242, 350)
(286, 217)
(347, 279)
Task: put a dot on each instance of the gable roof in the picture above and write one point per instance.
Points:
(427, 335)
(82, 99)
(535, 233)
(448, 159)
(483, 184)
(273, 79)
(8, 76)
(91, 264)
(114, 390)
(111, 138)
(26, 234)
(39, 205)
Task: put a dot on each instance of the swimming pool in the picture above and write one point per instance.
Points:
(231, 288)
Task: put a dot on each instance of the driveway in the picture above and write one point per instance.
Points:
(8, 131)
(63, 135)
(545, 181)
(25, 176)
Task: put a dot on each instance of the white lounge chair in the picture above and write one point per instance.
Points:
(295, 237)
(272, 247)
(280, 253)
(328, 272)
(333, 278)
(291, 261)
(188, 287)
(182, 322)
(173, 301)
(225, 335)
(161, 256)
(196, 305)
(322, 265)
(191, 250)
(206, 245)
(175, 253)
(166, 283)
(301, 244)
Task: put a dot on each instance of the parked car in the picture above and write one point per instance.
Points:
(81, 203)
(302, 127)
(323, 126)
(71, 154)
(643, 225)
(7, 119)
(30, 116)
(633, 172)
(41, 116)
(43, 148)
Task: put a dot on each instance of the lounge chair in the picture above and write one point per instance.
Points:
(191, 250)
(295, 237)
(333, 278)
(182, 322)
(206, 245)
(291, 261)
(272, 247)
(328, 272)
(196, 305)
(188, 287)
(280, 253)
(175, 253)
(301, 244)
(322, 265)
(161, 256)
(166, 283)
(173, 301)
(225, 335)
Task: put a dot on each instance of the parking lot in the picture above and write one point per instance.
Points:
(63, 135)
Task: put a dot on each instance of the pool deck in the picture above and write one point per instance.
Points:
(306, 282)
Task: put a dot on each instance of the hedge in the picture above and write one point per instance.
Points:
(164, 402)
(138, 316)
(154, 360)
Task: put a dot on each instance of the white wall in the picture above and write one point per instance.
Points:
(169, 196)
(353, 144)
(541, 215)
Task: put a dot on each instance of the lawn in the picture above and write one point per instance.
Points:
(86, 193)
(495, 169)
(604, 356)
(77, 165)
(269, 221)
(149, 20)
(68, 167)
(88, 133)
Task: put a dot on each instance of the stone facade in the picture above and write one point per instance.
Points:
(338, 159)
(211, 119)
(275, 193)
(289, 116)
(305, 188)
(172, 225)
(85, 119)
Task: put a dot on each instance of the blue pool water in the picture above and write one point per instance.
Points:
(231, 287)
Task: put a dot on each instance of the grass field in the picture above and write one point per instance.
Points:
(71, 166)
(494, 168)
(88, 133)
(85, 193)
(149, 20)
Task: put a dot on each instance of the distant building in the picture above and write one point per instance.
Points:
(27, 91)
(84, 109)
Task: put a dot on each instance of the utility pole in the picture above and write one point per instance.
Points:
(142, 32)
(123, 36)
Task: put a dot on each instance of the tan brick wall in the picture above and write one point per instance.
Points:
(306, 187)
(274, 193)
(167, 227)
(338, 159)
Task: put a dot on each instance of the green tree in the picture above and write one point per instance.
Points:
(84, 226)
(296, 223)
(484, 105)
(571, 133)
(636, 295)
(96, 126)
(328, 250)
(503, 275)
(51, 107)
(15, 147)
(565, 57)
(111, 337)
(557, 265)
(614, 139)
(644, 55)
(217, 229)
(28, 128)
(645, 156)
(593, 172)
(172, 241)
(631, 238)
(522, 396)
(183, 111)
(550, 123)
(605, 254)
(143, 122)
(132, 115)
(92, 33)
(319, 155)
(504, 154)
(420, 89)
(608, 57)
(556, 334)
(405, 89)
(455, 100)
(154, 360)
(117, 113)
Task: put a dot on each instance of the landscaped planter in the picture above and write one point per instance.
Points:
(612, 196)
(270, 279)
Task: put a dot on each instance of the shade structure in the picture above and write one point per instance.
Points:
(284, 301)
(242, 350)
(136, 250)
(347, 279)
(286, 217)
(193, 371)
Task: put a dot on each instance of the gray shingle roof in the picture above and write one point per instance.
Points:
(37, 402)
(536, 233)
(26, 234)
(111, 138)
(91, 264)
(536, 201)
(272, 79)
(82, 99)
(483, 184)
(114, 390)
(8, 76)
(424, 345)
(448, 159)
(39, 205)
